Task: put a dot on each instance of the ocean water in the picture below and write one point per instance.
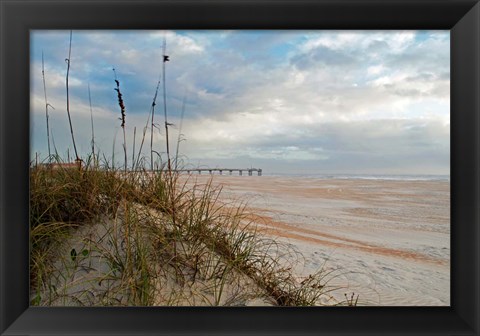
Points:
(388, 177)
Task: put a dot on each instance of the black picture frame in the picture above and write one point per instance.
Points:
(461, 17)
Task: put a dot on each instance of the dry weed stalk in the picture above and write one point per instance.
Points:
(68, 61)
(122, 118)
(46, 107)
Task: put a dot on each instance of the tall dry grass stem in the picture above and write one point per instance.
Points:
(91, 120)
(152, 124)
(166, 58)
(179, 139)
(172, 179)
(46, 107)
(133, 150)
(68, 61)
(139, 156)
(122, 118)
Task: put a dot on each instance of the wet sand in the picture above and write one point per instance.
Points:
(390, 239)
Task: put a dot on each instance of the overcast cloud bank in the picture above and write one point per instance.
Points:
(285, 101)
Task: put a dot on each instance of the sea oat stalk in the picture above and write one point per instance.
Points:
(46, 107)
(166, 58)
(91, 119)
(122, 110)
(67, 60)
(152, 125)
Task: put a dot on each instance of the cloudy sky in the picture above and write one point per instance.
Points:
(358, 102)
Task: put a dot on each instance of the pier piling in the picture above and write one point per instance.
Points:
(221, 170)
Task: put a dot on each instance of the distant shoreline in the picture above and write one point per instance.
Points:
(387, 177)
(371, 177)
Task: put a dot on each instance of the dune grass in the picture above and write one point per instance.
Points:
(101, 236)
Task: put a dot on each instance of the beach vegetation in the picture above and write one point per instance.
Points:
(148, 235)
(100, 236)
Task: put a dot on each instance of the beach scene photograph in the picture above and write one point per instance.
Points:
(240, 168)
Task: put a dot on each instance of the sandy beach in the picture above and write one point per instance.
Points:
(388, 240)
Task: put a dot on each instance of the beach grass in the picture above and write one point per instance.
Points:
(103, 236)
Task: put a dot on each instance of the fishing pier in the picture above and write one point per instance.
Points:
(222, 170)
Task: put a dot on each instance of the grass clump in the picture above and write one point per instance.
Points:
(101, 236)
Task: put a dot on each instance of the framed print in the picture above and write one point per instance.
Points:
(229, 167)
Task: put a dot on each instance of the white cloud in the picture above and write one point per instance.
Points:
(375, 70)
(283, 96)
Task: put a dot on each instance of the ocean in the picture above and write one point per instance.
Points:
(388, 177)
